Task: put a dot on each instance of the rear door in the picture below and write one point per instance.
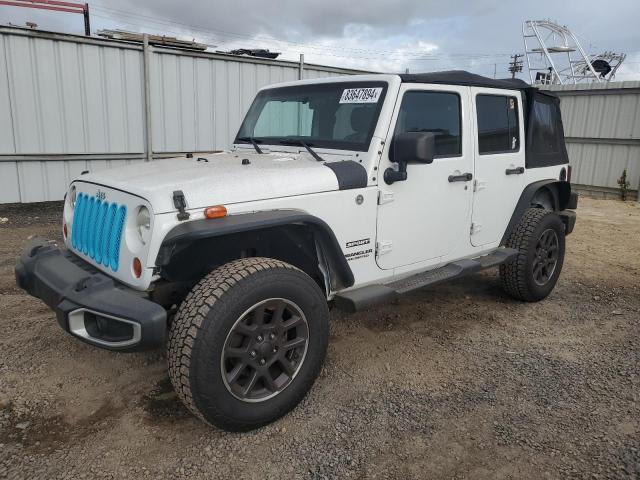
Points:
(499, 162)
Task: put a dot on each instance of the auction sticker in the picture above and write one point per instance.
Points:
(361, 95)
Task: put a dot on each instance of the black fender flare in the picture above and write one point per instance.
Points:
(559, 190)
(340, 273)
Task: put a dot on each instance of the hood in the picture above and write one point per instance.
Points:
(219, 179)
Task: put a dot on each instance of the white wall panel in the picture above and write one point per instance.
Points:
(601, 165)
(9, 182)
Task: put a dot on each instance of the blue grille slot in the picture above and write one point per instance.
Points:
(91, 228)
(97, 243)
(77, 220)
(106, 233)
(116, 235)
(97, 230)
(86, 225)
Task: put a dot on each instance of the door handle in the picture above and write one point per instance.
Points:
(465, 177)
(514, 171)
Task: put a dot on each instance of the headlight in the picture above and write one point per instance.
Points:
(72, 197)
(143, 223)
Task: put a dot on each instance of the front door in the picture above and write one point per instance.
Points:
(500, 162)
(425, 217)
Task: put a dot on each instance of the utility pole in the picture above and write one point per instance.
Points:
(515, 66)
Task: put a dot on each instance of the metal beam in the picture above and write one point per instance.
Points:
(83, 157)
(301, 68)
(594, 91)
(604, 141)
(67, 37)
(148, 120)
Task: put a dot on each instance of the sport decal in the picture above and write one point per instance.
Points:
(358, 243)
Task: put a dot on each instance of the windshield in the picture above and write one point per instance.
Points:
(329, 115)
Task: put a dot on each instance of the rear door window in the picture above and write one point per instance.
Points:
(498, 128)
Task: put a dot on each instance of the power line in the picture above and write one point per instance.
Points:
(323, 53)
(218, 34)
(441, 62)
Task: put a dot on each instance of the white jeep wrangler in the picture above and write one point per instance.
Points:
(349, 190)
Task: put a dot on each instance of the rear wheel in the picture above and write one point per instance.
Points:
(248, 342)
(533, 273)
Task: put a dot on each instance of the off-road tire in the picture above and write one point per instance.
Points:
(517, 274)
(199, 330)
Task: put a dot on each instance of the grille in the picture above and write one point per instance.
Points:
(97, 229)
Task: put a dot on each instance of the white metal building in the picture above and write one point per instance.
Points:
(71, 103)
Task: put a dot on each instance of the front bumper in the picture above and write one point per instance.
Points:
(88, 303)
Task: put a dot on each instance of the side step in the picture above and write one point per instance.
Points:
(361, 298)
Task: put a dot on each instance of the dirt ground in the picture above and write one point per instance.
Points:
(455, 381)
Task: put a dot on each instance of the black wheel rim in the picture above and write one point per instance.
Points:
(546, 257)
(264, 350)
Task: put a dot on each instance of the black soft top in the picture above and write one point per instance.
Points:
(462, 77)
(544, 130)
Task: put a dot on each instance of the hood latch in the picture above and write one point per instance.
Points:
(180, 203)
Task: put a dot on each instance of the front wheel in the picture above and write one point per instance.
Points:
(533, 273)
(248, 343)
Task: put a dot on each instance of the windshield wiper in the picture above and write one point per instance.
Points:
(302, 143)
(253, 142)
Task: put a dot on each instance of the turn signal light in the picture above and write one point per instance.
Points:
(137, 267)
(64, 230)
(217, 211)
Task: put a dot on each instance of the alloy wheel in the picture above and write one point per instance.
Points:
(264, 350)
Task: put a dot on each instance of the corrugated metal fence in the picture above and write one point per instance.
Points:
(70, 103)
(602, 131)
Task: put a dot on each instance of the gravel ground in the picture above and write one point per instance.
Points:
(456, 381)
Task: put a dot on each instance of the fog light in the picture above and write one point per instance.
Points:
(137, 267)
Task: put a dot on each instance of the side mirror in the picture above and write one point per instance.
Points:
(414, 147)
(410, 147)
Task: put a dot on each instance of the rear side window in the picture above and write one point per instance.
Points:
(544, 132)
(498, 128)
(437, 112)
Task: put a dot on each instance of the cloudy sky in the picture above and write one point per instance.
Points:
(422, 35)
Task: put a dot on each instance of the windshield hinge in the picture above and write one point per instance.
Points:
(180, 203)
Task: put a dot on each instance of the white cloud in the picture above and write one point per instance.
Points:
(424, 35)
